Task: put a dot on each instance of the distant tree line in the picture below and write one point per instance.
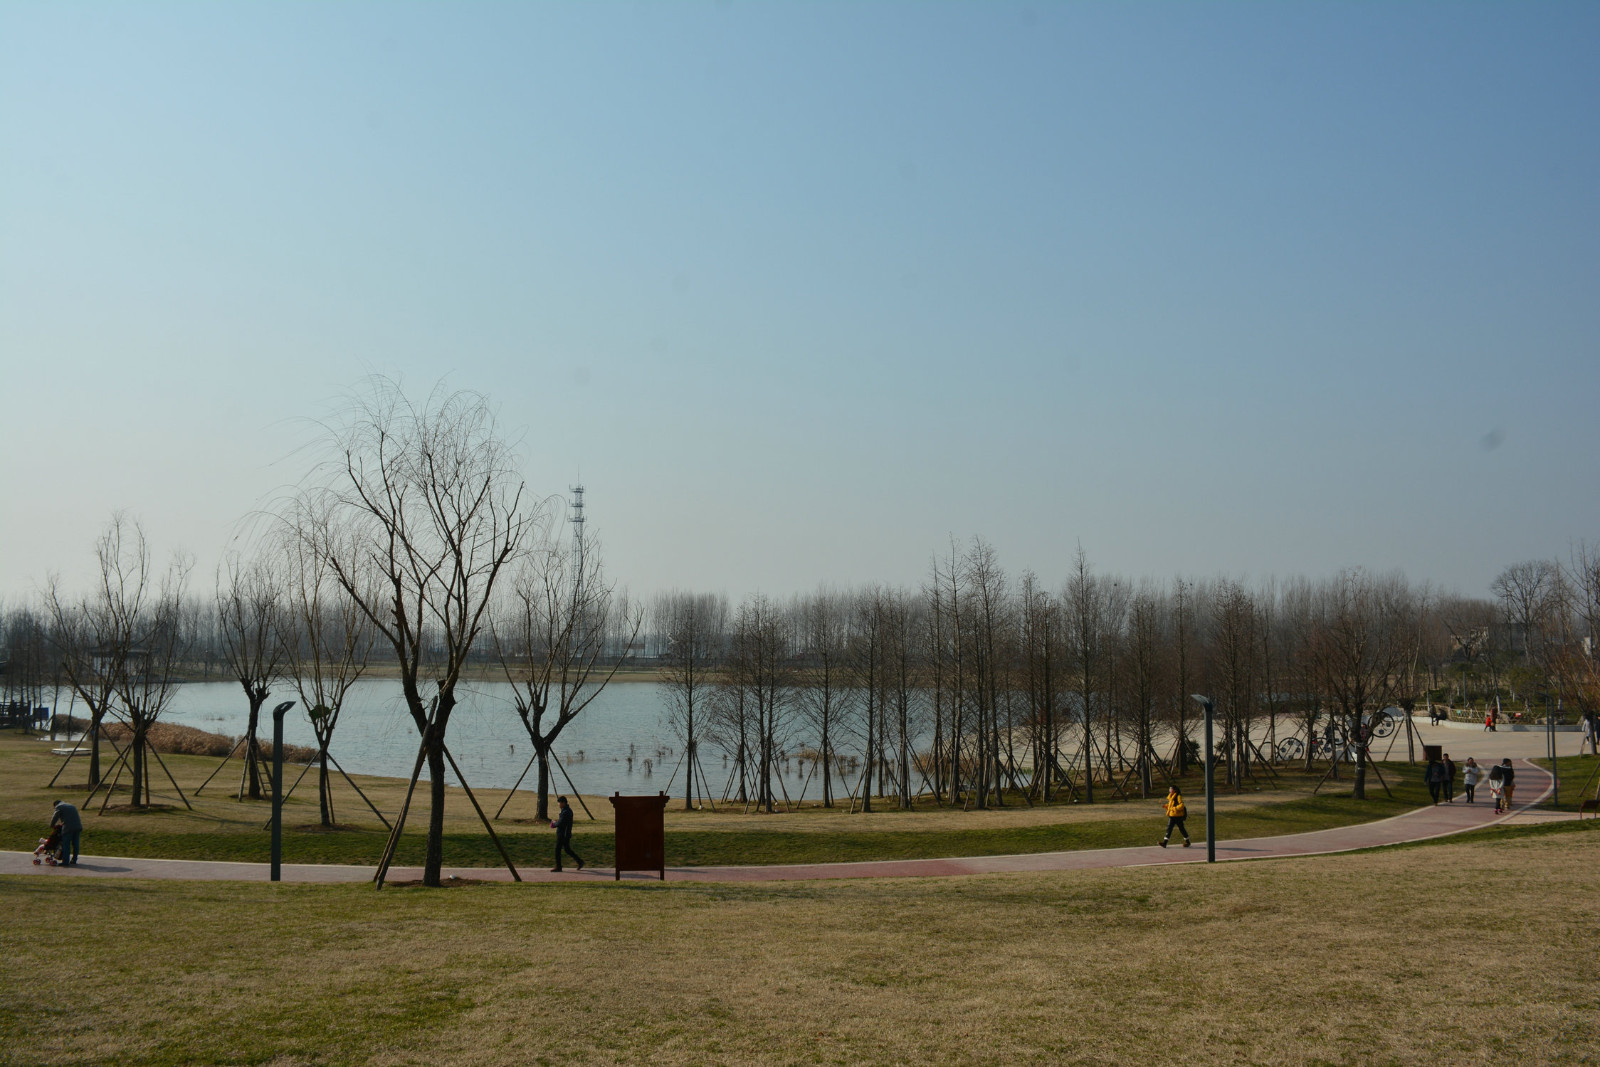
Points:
(982, 688)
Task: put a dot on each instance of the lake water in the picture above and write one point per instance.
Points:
(376, 736)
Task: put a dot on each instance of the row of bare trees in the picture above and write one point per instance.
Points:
(982, 689)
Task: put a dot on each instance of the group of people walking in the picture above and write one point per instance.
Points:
(1441, 780)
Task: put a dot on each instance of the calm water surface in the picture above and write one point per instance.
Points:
(376, 735)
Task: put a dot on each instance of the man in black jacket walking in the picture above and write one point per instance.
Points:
(563, 827)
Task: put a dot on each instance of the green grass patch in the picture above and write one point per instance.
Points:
(1579, 778)
(764, 845)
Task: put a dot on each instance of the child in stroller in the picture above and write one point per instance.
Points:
(49, 849)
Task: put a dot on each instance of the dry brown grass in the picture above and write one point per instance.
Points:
(1466, 953)
(171, 738)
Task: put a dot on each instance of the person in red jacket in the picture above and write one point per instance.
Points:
(1176, 813)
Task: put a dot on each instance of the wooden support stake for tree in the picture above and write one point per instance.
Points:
(806, 785)
(65, 763)
(221, 765)
(112, 788)
(359, 793)
(400, 822)
(710, 799)
(1373, 765)
(492, 835)
(518, 782)
(676, 767)
(116, 765)
(290, 792)
(170, 778)
(562, 768)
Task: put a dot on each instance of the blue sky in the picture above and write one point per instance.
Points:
(804, 290)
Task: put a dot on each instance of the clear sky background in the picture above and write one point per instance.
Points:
(804, 290)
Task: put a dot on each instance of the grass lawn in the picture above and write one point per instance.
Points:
(223, 828)
(1575, 774)
(1390, 957)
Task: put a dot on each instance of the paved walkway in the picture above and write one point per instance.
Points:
(1533, 785)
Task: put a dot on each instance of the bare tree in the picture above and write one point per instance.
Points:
(694, 626)
(765, 668)
(824, 698)
(325, 636)
(250, 622)
(1234, 648)
(1085, 601)
(120, 645)
(988, 610)
(1527, 592)
(1042, 654)
(869, 671)
(1363, 636)
(1146, 668)
(550, 639)
(426, 512)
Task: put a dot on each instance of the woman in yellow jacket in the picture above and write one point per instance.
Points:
(1176, 813)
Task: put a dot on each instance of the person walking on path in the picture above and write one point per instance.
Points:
(563, 828)
(1434, 776)
(1488, 721)
(1449, 779)
(66, 816)
(1470, 773)
(1176, 813)
(1508, 780)
(1497, 787)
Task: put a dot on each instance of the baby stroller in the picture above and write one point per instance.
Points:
(49, 849)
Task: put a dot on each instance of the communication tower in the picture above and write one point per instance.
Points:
(576, 518)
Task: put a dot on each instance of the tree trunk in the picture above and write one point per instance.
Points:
(1360, 792)
(866, 771)
(252, 747)
(136, 765)
(435, 855)
(543, 753)
(827, 756)
(688, 780)
(323, 787)
(95, 717)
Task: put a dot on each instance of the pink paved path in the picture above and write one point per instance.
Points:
(1533, 785)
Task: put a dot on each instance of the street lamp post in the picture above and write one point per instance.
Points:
(1211, 783)
(1550, 743)
(277, 788)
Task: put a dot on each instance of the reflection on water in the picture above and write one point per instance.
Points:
(376, 735)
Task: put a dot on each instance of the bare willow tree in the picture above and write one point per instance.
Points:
(122, 645)
(326, 637)
(250, 623)
(426, 513)
(84, 635)
(550, 638)
(694, 626)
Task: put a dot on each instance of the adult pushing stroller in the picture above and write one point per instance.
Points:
(49, 850)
